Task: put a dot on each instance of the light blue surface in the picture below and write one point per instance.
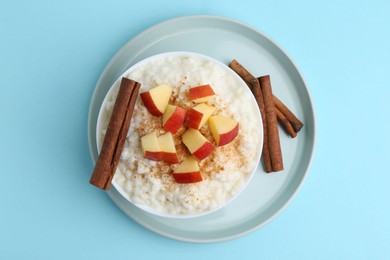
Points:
(52, 54)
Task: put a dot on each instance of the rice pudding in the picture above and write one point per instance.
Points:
(149, 184)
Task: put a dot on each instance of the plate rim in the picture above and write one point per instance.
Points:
(310, 102)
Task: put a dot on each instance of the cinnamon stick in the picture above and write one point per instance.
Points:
(115, 137)
(242, 72)
(285, 123)
(256, 90)
(248, 78)
(272, 124)
(295, 122)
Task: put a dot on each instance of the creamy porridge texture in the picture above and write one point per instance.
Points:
(225, 171)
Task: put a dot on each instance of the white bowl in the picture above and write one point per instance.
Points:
(249, 104)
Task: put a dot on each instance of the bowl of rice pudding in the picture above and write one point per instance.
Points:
(223, 170)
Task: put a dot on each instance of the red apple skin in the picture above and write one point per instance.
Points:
(170, 158)
(155, 156)
(149, 104)
(204, 151)
(187, 177)
(201, 91)
(229, 136)
(175, 121)
(193, 119)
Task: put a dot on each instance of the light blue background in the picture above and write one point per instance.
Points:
(51, 56)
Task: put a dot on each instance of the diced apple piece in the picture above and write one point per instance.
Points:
(168, 149)
(150, 147)
(198, 145)
(173, 118)
(224, 129)
(156, 99)
(201, 94)
(188, 171)
(198, 115)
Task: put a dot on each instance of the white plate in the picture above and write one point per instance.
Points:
(224, 40)
(231, 76)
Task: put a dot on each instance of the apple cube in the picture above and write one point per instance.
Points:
(198, 115)
(168, 149)
(224, 129)
(201, 94)
(156, 99)
(173, 118)
(188, 171)
(197, 144)
(150, 147)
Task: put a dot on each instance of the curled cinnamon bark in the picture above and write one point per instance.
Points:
(285, 123)
(295, 122)
(272, 124)
(248, 78)
(115, 137)
(242, 72)
(256, 90)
